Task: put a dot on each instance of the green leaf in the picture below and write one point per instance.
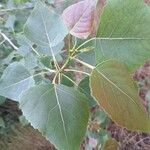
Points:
(14, 81)
(85, 88)
(25, 45)
(20, 1)
(10, 22)
(114, 89)
(2, 99)
(60, 5)
(63, 114)
(44, 27)
(46, 61)
(30, 61)
(88, 57)
(65, 79)
(124, 33)
(2, 123)
(47, 51)
(86, 51)
(10, 58)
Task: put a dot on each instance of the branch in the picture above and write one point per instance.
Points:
(15, 9)
(8, 40)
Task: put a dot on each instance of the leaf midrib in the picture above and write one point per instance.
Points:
(61, 115)
(31, 76)
(116, 86)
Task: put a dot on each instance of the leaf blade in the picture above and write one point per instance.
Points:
(116, 92)
(62, 114)
(82, 18)
(43, 27)
(124, 33)
(14, 81)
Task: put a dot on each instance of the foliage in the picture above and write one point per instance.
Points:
(38, 65)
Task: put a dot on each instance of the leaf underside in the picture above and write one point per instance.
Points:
(44, 27)
(15, 80)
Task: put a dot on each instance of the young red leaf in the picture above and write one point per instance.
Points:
(147, 2)
(81, 18)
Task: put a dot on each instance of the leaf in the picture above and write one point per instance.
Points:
(116, 92)
(97, 15)
(25, 45)
(63, 114)
(10, 22)
(2, 123)
(15, 80)
(47, 51)
(124, 33)
(9, 59)
(85, 88)
(60, 5)
(2, 99)
(44, 27)
(65, 79)
(89, 55)
(56, 2)
(46, 61)
(23, 121)
(147, 2)
(30, 61)
(111, 144)
(81, 17)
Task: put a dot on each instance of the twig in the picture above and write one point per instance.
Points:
(15, 9)
(2, 42)
(9, 41)
(34, 50)
(74, 70)
(54, 79)
(141, 140)
(83, 63)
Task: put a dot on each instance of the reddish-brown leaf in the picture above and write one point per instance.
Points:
(82, 18)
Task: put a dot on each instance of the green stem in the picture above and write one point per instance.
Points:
(71, 55)
(83, 63)
(8, 40)
(74, 70)
(14, 9)
(84, 43)
(61, 69)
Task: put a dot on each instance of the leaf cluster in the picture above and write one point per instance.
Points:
(109, 39)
